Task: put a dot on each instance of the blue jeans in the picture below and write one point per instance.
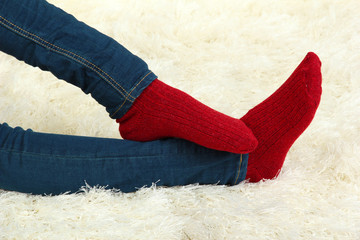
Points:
(41, 163)
(43, 35)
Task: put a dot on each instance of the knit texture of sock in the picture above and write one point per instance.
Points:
(162, 111)
(279, 120)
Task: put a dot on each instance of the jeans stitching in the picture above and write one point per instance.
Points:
(131, 92)
(88, 158)
(57, 49)
(239, 170)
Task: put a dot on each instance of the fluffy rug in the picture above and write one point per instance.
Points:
(230, 55)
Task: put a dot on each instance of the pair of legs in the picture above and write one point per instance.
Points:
(253, 147)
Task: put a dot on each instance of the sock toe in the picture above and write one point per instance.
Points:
(252, 143)
(313, 78)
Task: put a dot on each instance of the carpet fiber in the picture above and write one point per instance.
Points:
(230, 55)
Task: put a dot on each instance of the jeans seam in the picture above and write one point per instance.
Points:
(67, 53)
(131, 92)
(239, 170)
(89, 158)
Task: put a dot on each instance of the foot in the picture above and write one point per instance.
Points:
(162, 111)
(279, 120)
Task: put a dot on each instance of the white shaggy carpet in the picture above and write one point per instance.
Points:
(230, 55)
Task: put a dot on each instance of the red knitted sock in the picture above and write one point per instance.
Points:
(281, 119)
(162, 111)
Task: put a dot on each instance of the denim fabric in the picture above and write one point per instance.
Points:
(45, 36)
(41, 163)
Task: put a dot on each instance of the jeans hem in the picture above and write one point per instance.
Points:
(241, 169)
(135, 92)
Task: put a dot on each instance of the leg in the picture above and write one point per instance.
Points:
(46, 163)
(45, 36)
(41, 163)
